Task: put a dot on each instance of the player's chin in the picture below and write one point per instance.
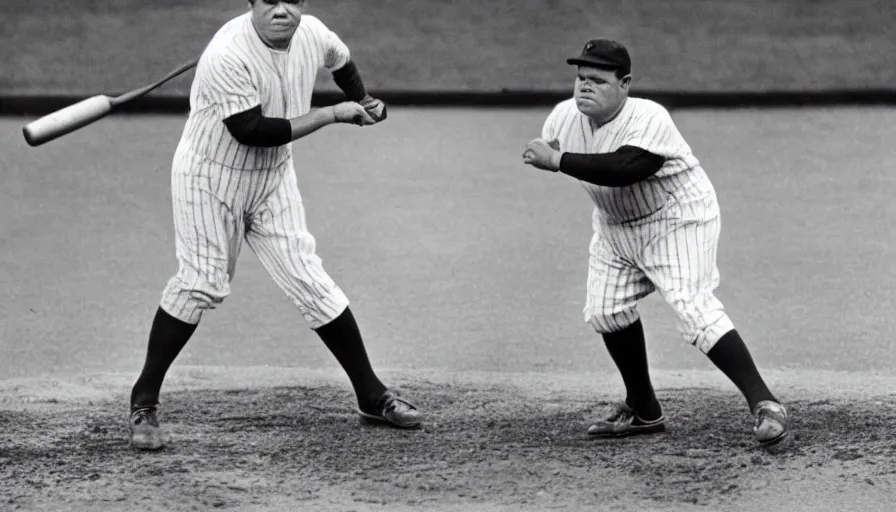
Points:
(284, 30)
(587, 106)
(281, 37)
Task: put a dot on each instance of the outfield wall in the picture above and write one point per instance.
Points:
(35, 105)
(686, 53)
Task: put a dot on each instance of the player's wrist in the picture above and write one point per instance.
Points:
(556, 157)
(331, 114)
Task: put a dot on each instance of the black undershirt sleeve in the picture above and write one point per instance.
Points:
(252, 128)
(625, 166)
(349, 80)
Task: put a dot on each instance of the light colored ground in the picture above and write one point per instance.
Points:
(466, 271)
(453, 253)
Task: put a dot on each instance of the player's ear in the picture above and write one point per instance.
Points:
(626, 81)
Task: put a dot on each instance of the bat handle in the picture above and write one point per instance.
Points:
(136, 93)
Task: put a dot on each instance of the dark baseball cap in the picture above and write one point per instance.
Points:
(603, 53)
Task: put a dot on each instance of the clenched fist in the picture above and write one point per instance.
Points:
(376, 108)
(543, 154)
(351, 112)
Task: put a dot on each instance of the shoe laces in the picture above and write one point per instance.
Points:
(398, 405)
(621, 413)
(146, 415)
(769, 412)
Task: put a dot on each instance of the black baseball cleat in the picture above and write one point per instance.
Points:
(623, 421)
(144, 429)
(394, 411)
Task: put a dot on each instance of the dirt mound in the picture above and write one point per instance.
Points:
(490, 443)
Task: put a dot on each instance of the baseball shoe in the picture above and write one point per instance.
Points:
(394, 411)
(771, 422)
(144, 429)
(623, 421)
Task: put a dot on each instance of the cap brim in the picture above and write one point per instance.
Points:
(592, 61)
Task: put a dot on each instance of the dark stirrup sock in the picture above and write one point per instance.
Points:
(167, 337)
(629, 351)
(343, 337)
(730, 354)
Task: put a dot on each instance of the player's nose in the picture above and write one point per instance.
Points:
(280, 11)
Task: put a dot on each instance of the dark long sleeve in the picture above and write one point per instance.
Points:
(349, 80)
(252, 128)
(625, 166)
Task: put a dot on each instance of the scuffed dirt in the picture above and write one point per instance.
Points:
(290, 441)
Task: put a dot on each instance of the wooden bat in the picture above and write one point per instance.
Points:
(79, 115)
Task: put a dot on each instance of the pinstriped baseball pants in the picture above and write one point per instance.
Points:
(673, 252)
(215, 208)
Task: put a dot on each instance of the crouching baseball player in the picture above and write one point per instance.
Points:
(233, 178)
(656, 228)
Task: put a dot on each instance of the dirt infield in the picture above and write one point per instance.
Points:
(283, 439)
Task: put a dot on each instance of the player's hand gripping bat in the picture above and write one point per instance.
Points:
(79, 115)
(376, 108)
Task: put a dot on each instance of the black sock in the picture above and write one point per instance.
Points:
(731, 355)
(629, 351)
(343, 338)
(167, 337)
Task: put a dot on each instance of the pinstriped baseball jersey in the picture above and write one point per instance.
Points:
(660, 234)
(224, 191)
(642, 123)
(238, 71)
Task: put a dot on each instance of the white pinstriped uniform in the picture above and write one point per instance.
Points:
(224, 191)
(659, 234)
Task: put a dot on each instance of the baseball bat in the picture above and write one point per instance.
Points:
(82, 113)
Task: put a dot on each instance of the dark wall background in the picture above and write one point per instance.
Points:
(83, 47)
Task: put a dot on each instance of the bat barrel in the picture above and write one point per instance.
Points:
(66, 120)
(87, 111)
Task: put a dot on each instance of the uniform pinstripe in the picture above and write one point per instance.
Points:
(224, 191)
(660, 234)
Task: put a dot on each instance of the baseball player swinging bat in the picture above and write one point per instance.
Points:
(79, 115)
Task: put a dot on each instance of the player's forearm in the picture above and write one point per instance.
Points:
(349, 80)
(311, 122)
(625, 166)
(253, 129)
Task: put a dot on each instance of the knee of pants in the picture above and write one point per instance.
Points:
(605, 322)
(702, 327)
(187, 297)
(304, 278)
(320, 306)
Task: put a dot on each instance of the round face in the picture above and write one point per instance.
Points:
(276, 22)
(599, 94)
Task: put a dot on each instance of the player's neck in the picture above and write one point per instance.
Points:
(610, 119)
